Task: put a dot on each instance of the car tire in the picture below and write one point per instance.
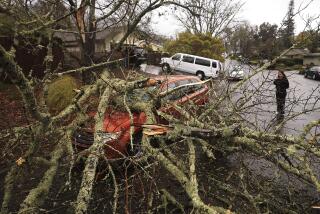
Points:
(166, 68)
(305, 75)
(314, 77)
(201, 75)
(83, 137)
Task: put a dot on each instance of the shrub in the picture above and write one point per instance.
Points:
(278, 66)
(254, 62)
(60, 93)
(290, 62)
(297, 67)
(198, 44)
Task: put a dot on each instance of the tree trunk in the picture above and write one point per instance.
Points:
(88, 50)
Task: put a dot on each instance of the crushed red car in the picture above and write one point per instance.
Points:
(117, 123)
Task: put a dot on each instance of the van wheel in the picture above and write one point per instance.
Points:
(166, 68)
(305, 75)
(200, 74)
(314, 77)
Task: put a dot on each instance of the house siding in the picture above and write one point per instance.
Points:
(309, 60)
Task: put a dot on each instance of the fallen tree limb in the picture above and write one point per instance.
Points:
(90, 68)
(18, 78)
(185, 182)
(37, 196)
(116, 189)
(100, 138)
(170, 198)
(8, 188)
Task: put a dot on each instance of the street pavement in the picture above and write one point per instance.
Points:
(303, 95)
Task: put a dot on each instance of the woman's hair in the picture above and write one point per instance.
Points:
(282, 72)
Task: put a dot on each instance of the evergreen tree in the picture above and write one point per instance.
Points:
(287, 33)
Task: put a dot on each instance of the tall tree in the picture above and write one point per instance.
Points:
(309, 39)
(260, 42)
(209, 16)
(287, 33)
(242, 40)
(267, 39)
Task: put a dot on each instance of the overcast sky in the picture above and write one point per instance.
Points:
(255, 11)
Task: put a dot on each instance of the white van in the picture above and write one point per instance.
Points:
(200, 66)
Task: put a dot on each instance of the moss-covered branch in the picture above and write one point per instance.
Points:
(100, 138)
(38, 195)
(186, 183)
(17, 77)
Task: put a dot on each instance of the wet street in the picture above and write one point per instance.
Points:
(302, 102)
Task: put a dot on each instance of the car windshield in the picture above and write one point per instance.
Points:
(141, 95)
(146, 94)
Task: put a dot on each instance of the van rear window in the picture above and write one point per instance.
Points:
(203, 62)
(214, 64)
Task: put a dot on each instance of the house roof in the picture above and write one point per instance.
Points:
(67, 36)
(73, 37)
(70, 36)
(297, 51)
(312, 55)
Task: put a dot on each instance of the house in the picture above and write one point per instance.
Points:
(296, 53)
(311, 58)
(150, 45)
(106, 40)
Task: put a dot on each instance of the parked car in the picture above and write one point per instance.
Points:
(313, 72)
(117, 123)
(200, 66)
(236, 73)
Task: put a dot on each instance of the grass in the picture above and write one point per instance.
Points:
(60, 93)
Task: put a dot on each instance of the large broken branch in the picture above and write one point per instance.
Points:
(100, 138)
(37, 196)
(187, 183)
(18, 78)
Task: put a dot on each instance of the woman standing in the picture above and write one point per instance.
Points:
(282, 84)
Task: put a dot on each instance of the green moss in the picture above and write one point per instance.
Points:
(227, 132)
(60, 93)
(6, 25)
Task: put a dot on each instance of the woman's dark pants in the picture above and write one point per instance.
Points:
(280, 104)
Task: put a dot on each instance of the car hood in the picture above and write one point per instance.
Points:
(236, 73)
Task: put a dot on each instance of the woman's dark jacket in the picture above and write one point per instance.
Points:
(281, 86)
